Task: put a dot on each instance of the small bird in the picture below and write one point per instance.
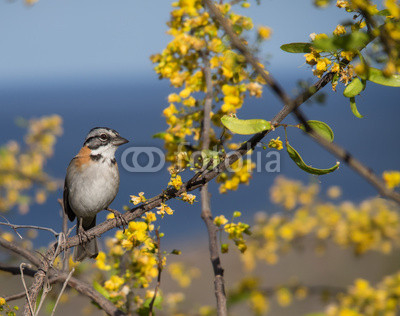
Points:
(91, 184)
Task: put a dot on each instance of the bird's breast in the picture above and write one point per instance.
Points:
(92, 187)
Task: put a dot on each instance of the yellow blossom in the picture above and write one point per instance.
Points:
(100, 262)
(393, 7)
(255, 89)
(264, 32)
(173, 97)
(176, 182)
(335, 67)
(334, 192)
(342, 3)
(114, 283)
(284, 296)
(169, 111)
(2, 301)
(185, 93)
(322, 64)
(138, 199)
(164, 208)
(275, 143)
(220, 220)
(7, 236)
(391, 178)
(190, 198)
(149, 217)
(339, 30)
(347, 55)
(312, 58)
(259, 303)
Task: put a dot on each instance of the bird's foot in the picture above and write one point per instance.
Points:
(82, 236)
(121, 221)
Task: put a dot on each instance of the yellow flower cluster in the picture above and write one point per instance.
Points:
(364, 299)
(4, 307)
(241, 174)
(328, 61)
(389, 33)
(391, 178)
(289, 193)
(176, 182)
(21, 169)
(235, 231)
(138, 248)
(372, 225)
(189, 198)
(197, 44)
(252, 289)
(182, 274)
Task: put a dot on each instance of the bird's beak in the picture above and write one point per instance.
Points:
(118, 141)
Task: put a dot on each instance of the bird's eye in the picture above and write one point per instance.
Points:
(103, 137)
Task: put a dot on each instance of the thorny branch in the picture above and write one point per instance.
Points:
(206, 215)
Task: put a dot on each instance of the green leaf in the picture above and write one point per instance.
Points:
(354, 109)
(297, 47)
(302, 165)
(157, 302)
(245, 127)
(376, 75)
(159, 135)
(320, 128)
(353, 88)
(101, 290)
(353, 41)
(384, 12)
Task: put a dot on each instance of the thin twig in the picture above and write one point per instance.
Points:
(159, 267)
(62, 290)
(21, 267)
(15, 227)
(46, 290)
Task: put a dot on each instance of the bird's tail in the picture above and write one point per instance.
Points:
(89, 249)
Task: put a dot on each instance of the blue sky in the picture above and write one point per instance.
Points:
(72, 39)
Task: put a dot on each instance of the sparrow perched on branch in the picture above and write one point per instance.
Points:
(91, 184)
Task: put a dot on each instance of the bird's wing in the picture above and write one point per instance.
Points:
(67, 207)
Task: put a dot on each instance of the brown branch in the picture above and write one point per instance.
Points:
(65, 231)
(27, 254)
(14, 297)
(206, 215)
(159, 268)
(292, 105)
